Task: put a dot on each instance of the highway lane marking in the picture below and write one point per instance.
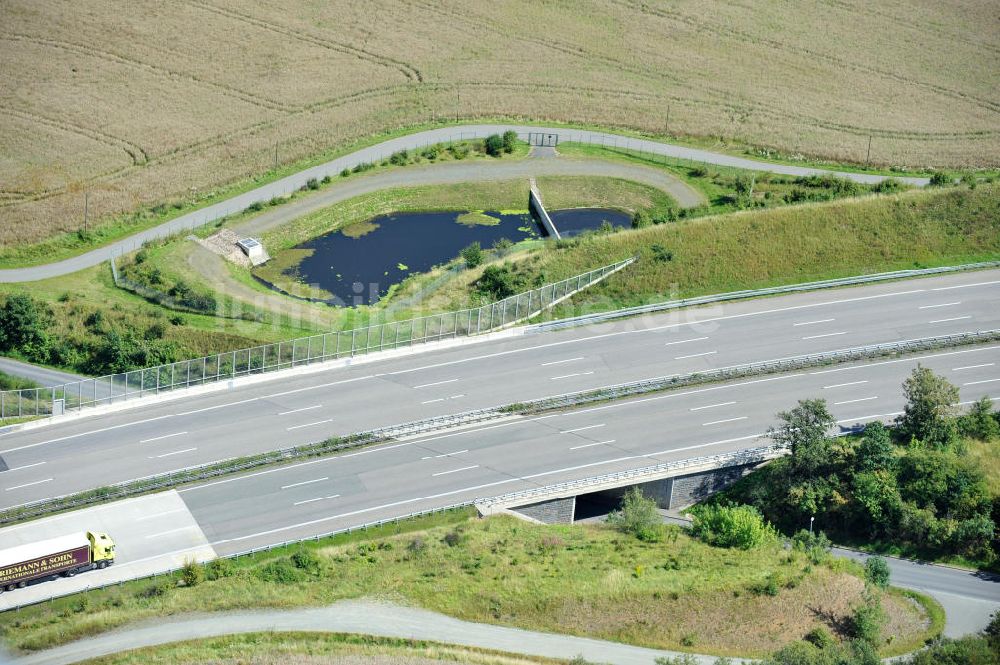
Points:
(569, 376)
(580, 429)
(727, 420)
(319, 498)
(167, 533)
(825, 335)
(464, 468)
(965, 286)
(852, 401)
(431, 401)
(305, 482)
(591, 445)
(842, 385)
(217, 406)
(959, 369)
(37, 482)
(667, 326)
(160, 438)
(457, 452)
(810, 323)
(696, 355)
(93, 431)
(907, 360)
(436, 383)
(176, 452)
(305, 408)
(976, 383)
(318, 422)
(272, 395)
(155, 515)
(710, 406)
(26, 466)
(944, 304)
(954, 318)
(559, 362)
(685, 341)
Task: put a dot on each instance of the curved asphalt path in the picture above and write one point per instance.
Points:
(377, 152)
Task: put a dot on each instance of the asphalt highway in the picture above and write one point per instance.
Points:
(81, 453)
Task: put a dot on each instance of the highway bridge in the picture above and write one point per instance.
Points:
(239, 513)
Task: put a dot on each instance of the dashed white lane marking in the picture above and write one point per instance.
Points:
(976, 383)
(685, 341)
(319, 498)
(580, 429)
(810, 323)
(852, 401)
(591, 445)
(825, 335)
(160, 438)
(37, 482)
(305, 482)
(436, 383)
(464, 468)
(965, 286)
(569, 376)
(176, 452)
(559, 362)
(305, 408)
(727, 420)
(696, 355)
(26, 466)
(167, 533)
(710, 406)
(457, 452)
(318, 422)
(432, 401)
(959, 369)
(954, 318)
(944, 304)
(842, 385)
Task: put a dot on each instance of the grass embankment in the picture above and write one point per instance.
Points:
(583, 580)
(756, 249)
(314, 649)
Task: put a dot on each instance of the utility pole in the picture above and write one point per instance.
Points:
(667, 124)
(869, 155)
(86, 210)
(458, 103)
(275, 155)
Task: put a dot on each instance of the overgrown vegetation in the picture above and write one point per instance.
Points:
(909, 488)
(673, 592)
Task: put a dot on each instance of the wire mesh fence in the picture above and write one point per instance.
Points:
(115, 388)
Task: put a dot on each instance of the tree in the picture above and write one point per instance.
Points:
(877, 494)
(497, 282)
(875, 452)
(742, 527)
(23, 326)
(981, 423)
(640, 220)
(473, 255)
(509, 141)
(493, 145)
(638, 516)
(930, 408)
(877, 572)
(804, 432)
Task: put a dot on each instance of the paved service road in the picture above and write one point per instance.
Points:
(377, 153)
(80, 453)
(43, 376)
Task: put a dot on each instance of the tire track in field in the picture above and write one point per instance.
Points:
(408, 70)
(136, 153)
(162, 72)
(745, 37)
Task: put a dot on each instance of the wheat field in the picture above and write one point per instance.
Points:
(146, 102)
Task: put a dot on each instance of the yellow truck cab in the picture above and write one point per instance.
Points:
(102, 549)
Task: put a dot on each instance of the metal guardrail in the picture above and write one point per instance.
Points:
(721, 460)
(115, 388)
(756, 293)
(225, 467)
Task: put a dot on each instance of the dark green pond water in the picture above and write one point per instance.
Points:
(360, 270)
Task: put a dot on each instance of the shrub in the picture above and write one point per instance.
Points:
(661, 253)
(256, 206)
(157, 589)
(698, 172)
(312, 183)
(399, 158)
(820, 637)
(326, 179)
(417, 546)
(502, 246)
(638, 516)
(877, 572)
(980, 423)
(867, 621)
(307, 561)
(192, 573)
(453, 538)
(939, 179)
(216, 569)
(816, 546)
(497, 282)
(641, 220)
(472, 255)
(509, 139)
(742, 527)
(345, 172)
(493, 145)
(280, 571)
(887, 186)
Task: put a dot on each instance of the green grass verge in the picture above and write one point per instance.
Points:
(294, 648)
(582, 580)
